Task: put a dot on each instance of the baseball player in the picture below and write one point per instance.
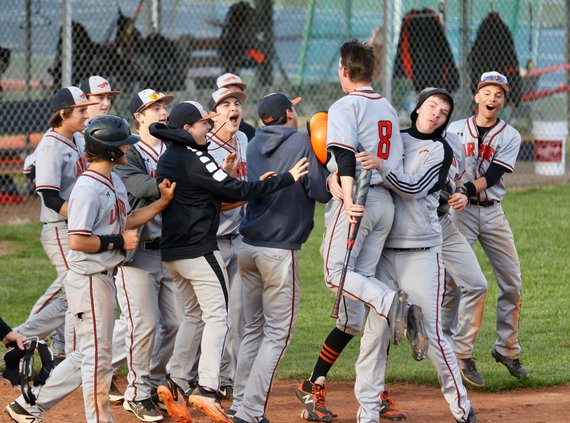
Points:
(412, 255)
(146, 292)
(491, 147)
(58, 164)
(274, 228)
(189, 242)
(101, 226)
(234, 83)
(227, 141)
(363, 117)
(52, 314)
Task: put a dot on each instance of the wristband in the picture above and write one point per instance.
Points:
(471, 190)
(111, 242)
(461, 190)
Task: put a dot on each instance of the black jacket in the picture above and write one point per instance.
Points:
(190, 222)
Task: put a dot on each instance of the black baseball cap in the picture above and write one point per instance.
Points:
(68, 97)
(146, 97)
(273, 106)
(187, 113)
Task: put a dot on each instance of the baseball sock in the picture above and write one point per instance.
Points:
(333, 346)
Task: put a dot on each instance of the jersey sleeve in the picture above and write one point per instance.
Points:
(136, 178)
(508, 150)
(206, 173)
(83, 206)
(458, 163)
(341, 126)
(49, 162)
(428, 178)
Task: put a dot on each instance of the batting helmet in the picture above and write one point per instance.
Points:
(105, 134)
(317, 129)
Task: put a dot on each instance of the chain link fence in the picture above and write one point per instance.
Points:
(181, 46)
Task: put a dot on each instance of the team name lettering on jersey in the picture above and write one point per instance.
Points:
(121, 208)
(469, 149)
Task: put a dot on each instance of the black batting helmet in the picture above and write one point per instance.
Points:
(105, 134)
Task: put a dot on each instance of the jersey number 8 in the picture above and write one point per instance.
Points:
(384, 133)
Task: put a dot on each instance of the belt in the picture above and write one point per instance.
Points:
(55, 223)
(480, 203)
(229, 236)
(410, 249)
(153, 244)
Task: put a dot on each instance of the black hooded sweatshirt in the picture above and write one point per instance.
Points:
(190, 222)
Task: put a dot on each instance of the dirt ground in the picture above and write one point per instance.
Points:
(422, 403)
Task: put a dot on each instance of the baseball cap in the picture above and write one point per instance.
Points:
(69, 97)
(273, 106)
(494, 78)
(146, 97)
(230, 79)
(96, 85)
(222, 94)
(187, 112)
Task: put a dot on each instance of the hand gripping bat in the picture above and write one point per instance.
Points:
(360, 194)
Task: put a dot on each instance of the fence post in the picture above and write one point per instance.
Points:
(465, 88)
(67, 45)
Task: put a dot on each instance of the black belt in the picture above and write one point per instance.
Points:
(153, 244)
(410, 249)
(229, 236)
(481, 203)
(53, 223)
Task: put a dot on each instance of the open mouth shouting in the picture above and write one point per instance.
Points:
(234, 118)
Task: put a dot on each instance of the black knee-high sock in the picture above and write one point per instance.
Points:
(333, 346)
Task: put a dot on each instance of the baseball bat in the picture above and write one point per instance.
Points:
(360, 194)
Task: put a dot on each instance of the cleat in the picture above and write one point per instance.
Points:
(396, 317)
(513, 365)
(471, 417)
(469, 372)
(389, 410)
(312, 396)
(20, 414)
(144, 410)
(416, 333)
(208, 403)
(176, 409)
(114, 394)
(226, 392)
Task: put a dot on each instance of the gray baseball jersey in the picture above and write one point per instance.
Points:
(500, 145)
(365, 117)
(100, 208)
(59, 163)
(490, 226)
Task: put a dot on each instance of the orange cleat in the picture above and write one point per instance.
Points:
(176, 409)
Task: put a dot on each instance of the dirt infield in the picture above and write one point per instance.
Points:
(423, 404)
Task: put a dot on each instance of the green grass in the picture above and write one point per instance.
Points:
(539, 219)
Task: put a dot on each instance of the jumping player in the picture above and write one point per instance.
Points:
(147, 294)
(268, 259)
(189, 245)
(491, 147)
(100, 228)
(412, 255)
